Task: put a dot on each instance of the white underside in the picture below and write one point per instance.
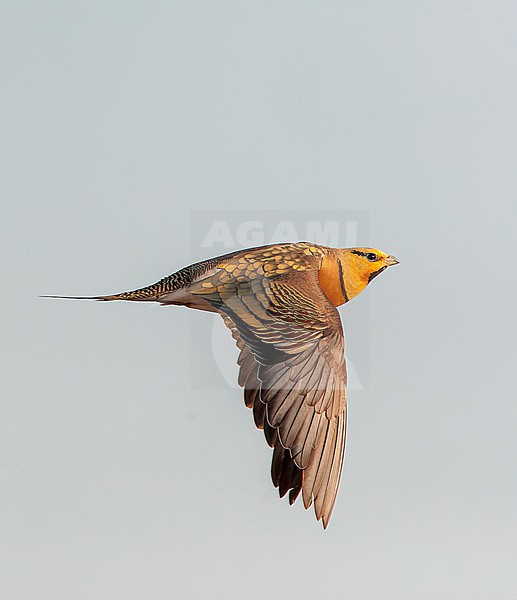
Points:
(182, 297)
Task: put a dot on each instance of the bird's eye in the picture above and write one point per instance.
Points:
(371, 256)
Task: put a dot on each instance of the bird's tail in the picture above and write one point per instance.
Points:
(156, 292)
(135, 295)
(104, 298)
(150, 293)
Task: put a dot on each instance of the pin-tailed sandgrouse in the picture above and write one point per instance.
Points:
(279, 302)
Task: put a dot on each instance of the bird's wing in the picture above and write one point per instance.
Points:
(285, 474)
(292, 367)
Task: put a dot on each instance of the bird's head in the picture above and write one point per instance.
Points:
(361, 265)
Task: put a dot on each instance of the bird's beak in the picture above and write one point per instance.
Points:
(392, 260)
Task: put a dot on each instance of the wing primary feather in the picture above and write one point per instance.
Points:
(322, 481)
(312, 470)
(335, 472)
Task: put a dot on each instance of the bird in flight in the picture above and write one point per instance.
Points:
(279, 302)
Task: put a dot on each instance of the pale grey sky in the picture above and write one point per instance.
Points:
(123, 475)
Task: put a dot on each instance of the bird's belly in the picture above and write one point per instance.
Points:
(183, 298)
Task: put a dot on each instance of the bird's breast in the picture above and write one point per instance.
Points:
(331, 280)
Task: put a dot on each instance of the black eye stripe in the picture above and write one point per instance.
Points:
(371, 256)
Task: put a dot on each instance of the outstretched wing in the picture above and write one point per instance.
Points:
(292, 367)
